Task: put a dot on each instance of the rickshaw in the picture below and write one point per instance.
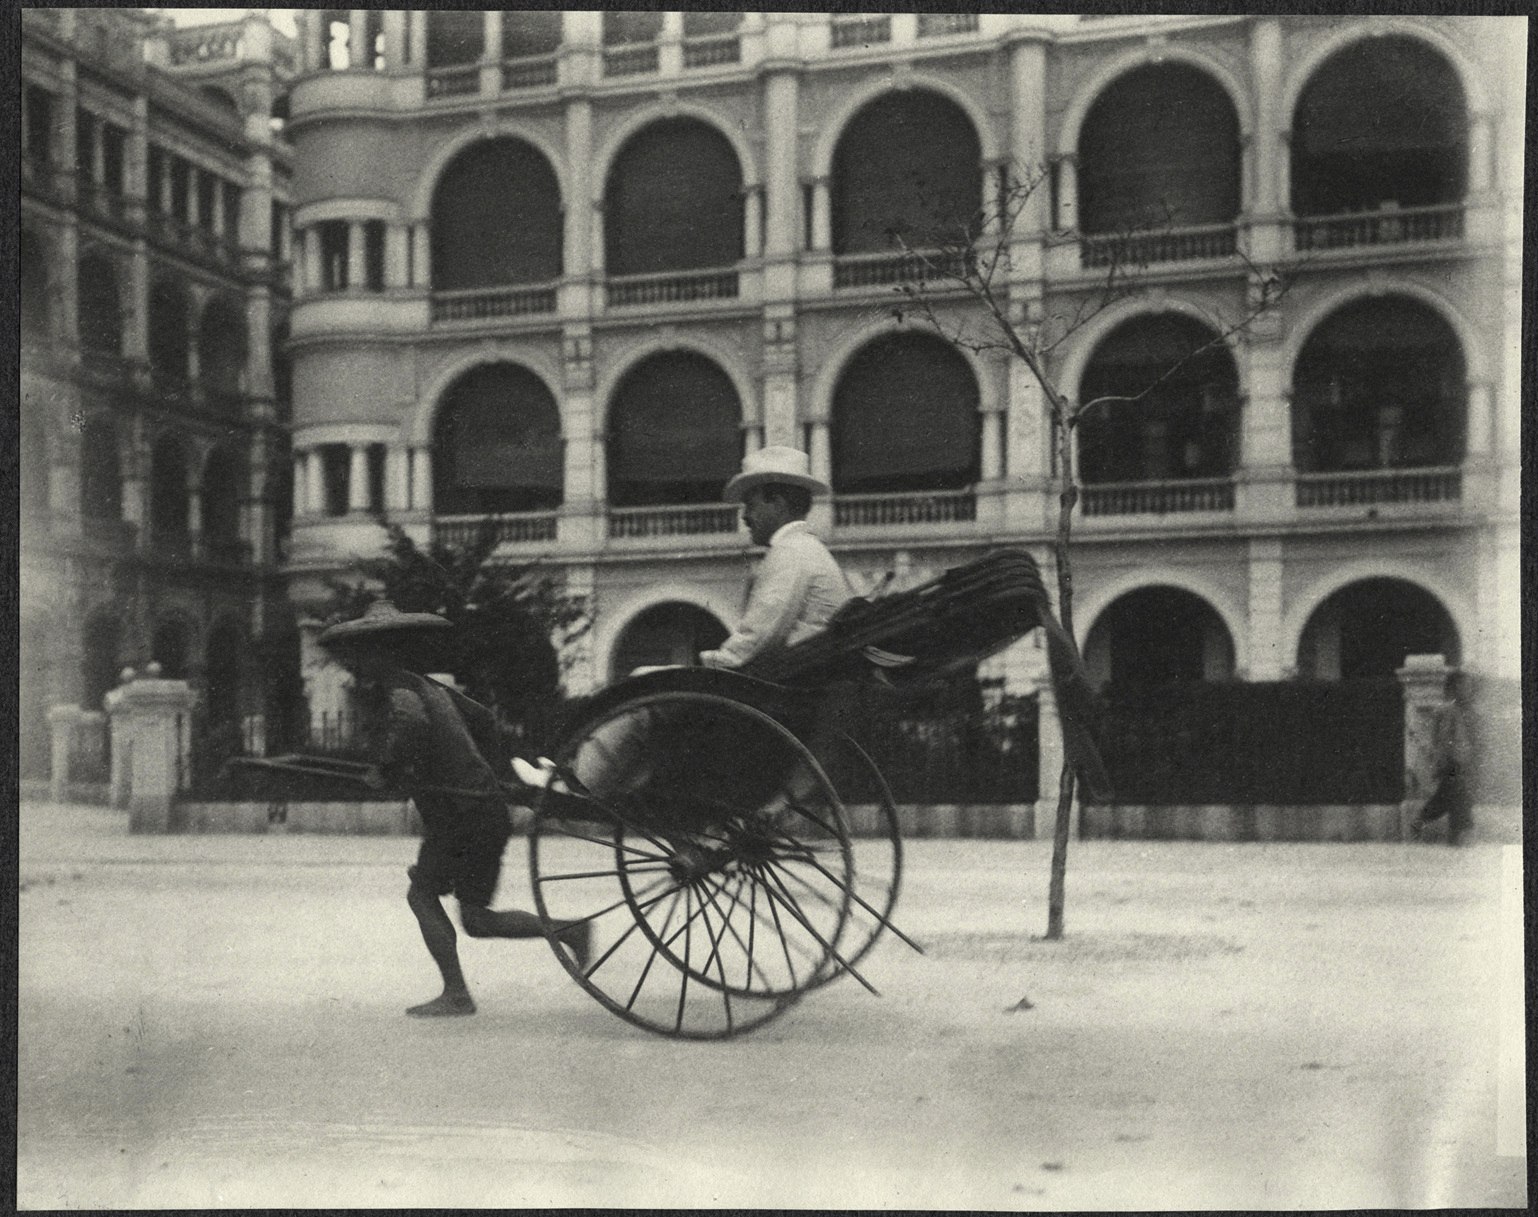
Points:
(697, 818)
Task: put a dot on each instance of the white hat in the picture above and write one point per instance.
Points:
(381, 617)
(774, 465)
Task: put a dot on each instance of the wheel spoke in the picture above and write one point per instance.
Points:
(650, 959)
(793, 907)
(606, 842)
(737, 936)
(605, 874)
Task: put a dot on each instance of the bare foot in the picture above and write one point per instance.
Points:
(449, 1005)
(577, 938)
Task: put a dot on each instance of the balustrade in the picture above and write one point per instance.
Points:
(872, 270)
(1158, 498)
(518, 528)
(709, 52)
(529, 72)
(460, 80)
(933, 25)
(922, 507)
(1375, 486)
(630, 60)
(205, 44)
(859, 31)
(481, 304)
(673, 521)
(1389, 226)
(1173, 245)
(671, 288)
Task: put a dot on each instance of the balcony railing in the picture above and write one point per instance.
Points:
(41, 175)
(709, 52)
(1172, 245)
(458, 80)
(1390, 226)
(99, 201)
(858, 31)
(192, 238)
(206, 44)
(673, 521)
(935, 25)
(518, 528)
(630, 60)
(1158, 498)
(920, 507)
(484, 304)
(676, 288)
(872, 270)
(1375, 486)
(529, 72)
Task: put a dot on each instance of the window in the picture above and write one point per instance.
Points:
(333, 255)
(374, 255)
(114, 154)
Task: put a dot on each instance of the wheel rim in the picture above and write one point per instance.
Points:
(743, 900)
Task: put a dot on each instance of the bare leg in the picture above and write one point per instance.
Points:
(482, 922)
(438, 934)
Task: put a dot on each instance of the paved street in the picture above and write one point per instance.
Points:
(216, 1022)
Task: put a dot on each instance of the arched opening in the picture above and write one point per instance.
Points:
(496, 218)
(100, 305)
(672, 633)
(673, 200)
(675, 432)
(222, 348)
(907, 165)
(36, 309)
(101, 483)
(223, 660)
(905, 418)
(169, 341)
(1367, 628)
(1155, 636)
(168, 492)
(454, 37)
(100, 658)
(497, 444)
(1383, 121)
(1381, 383)
(1184, 423)
(624, 26)
(1159, 149)
(221, 493)
(527, 32)
(169, 647)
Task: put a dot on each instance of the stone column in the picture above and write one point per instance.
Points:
(258, 372)
(154, 719)
(397, 479)
(781, 177)
(315, 482)
(1424, 680)
(64, 721)
(418, 36)
(314, 273)
(357, 274)
(397, 255)
(421, 255)
(357, 479)
(752, 222)
(136, 158)
(819, 450)
(1266, 68)
(422, 479)
(1067, 192)
(394, 39)
(491, 53)
(822, 216)
(300, 488)
(312, 33)
(578, 217)
(1267, 659)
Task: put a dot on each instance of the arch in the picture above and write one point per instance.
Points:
(173, 642)
(1085, 95)
(1187, 426)
(505, 177)
(497, 443)
(832, 128)
(99, 303)
(222, 484)
(833, 362)
(169, 515)
(1084, 341)
(1156, 633)
(722, 604)
(673, 199)
(222, 352)
(1160, 145)
(1091, 604)
(886, 182)
(723, 124)
(728, 360)
(101, 480)
(674, 431)
(667, 632)
(1379, 122)
(1367, 627)
(904, 417)
(1455, 599)
(1380, 382)
(1306, 321)
(453, 37)
(1301, 70)
(221, 98)
(418, 426)
(169, 336)
(420, 205)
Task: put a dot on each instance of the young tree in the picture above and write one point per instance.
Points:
(973, 258)
(514, 623)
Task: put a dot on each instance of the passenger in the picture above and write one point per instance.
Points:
(426, 737)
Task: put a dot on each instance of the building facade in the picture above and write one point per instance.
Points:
(559, 271)
(154, 403)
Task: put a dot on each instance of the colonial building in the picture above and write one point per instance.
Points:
(154, 403)
(560, 270)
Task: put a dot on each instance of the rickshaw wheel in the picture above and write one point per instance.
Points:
(701, 833)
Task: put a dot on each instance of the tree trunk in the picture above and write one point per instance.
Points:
(1067, 496)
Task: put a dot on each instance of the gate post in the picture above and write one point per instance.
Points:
(1424, 680)
(63, 721)
(153, 719)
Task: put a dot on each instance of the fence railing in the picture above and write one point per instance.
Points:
(483, 304)
(673, 521)
(529, 72)
(922, 507)
(522, 527)
(1379, 486)
(1157, 498)
(709, 52)
(458, 80)
(934, 25)
(630, 60)
(871, 270)
(858, 31)
(678, 288)
(1390, 226)
(1173, 245)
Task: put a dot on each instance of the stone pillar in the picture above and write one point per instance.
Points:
(578, 217)
(300, 488)
(314, 275)
(1424, 680)
(313, 35)
(136, 158)
(63, 723)
(752, 221)
(357, 273)
(357, 479)
(1266, 69)
(397, 255)
(315, 482)
(782, 179)
(1067, 192)
(422, 479)
(421, 255)
(153, 719)
(819, 450)
(394, 39)
(822, 216)
(992, 456)
(1266, 658)
(417, 38)
(397, 479)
